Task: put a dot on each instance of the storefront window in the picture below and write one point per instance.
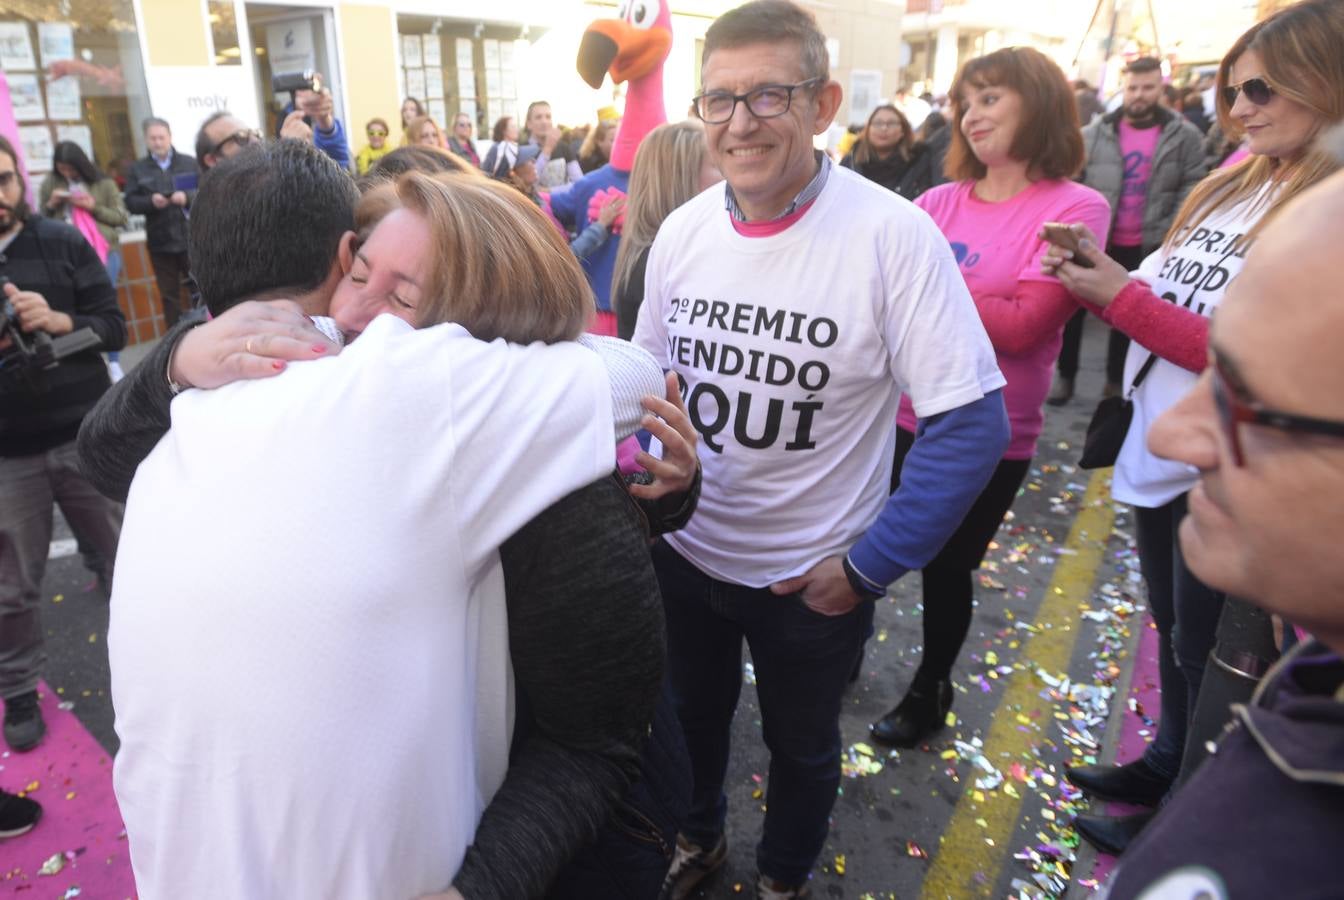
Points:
(224, 33)
(73, 72)
(454, 66)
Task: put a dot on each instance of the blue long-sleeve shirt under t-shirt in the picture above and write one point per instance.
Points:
(951, 461)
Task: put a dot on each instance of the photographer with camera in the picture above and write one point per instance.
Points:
(311, 115)
(54, 287)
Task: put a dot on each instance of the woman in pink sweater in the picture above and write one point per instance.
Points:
(1015, 144)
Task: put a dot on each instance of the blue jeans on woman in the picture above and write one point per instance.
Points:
(1186, 612)
(803, 660)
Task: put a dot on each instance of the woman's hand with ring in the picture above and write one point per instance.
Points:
(1098, 285)
(252, 340)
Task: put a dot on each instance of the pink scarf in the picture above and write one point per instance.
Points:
(88, 226)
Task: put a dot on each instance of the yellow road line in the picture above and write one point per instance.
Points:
(964, 851)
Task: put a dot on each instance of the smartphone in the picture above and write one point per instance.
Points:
(1062, 235)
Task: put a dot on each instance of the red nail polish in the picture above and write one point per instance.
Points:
(319, 348)
(278, 364)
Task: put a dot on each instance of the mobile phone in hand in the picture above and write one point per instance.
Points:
(1062, 235)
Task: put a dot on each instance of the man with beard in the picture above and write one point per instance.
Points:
(1144, 159)
(53, 283)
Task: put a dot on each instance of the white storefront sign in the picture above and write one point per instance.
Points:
(186, 95)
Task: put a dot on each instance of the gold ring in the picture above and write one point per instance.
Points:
(248, 345)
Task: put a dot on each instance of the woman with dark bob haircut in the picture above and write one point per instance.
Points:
(1015, 145)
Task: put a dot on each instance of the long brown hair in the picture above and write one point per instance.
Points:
(499, 267)
(1048, 136)
(666, 174)
(1299, 47)
(863, 149)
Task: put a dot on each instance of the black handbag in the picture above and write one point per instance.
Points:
(1110, 423)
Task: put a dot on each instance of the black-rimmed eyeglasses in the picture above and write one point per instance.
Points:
(1235, 409)
(768, 101)
(243, 138)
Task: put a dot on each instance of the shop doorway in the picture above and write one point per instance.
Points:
(286, 39)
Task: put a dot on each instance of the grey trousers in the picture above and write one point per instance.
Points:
(28, 487)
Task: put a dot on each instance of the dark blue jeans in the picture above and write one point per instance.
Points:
(1186, 613)
(803, 660)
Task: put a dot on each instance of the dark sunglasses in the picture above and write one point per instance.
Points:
(1257, 90)
(1235, 409)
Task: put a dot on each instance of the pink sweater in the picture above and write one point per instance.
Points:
(1174, 333)
(1023, 310)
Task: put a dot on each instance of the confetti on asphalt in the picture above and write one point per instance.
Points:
(53, 864)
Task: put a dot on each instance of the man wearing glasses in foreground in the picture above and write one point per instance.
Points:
(1264, 426)
(223, 135)
(796, 305)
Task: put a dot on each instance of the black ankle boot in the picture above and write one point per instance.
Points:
(923, 712)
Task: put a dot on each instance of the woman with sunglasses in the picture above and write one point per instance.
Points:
(1280, 85)
(1015, 146)
(375, 149)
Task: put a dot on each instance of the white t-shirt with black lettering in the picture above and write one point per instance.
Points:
(794, 350)
(309, 609)
(1194, 274)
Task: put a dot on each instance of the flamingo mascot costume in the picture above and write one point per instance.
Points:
(631, 47)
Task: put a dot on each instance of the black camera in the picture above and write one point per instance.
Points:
(28, 355)
(293, 82)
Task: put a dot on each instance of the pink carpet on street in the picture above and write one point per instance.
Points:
(80, 836)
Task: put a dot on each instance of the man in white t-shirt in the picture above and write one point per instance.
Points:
(298, 684)
(795, 317)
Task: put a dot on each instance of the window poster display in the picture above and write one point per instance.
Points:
(79, 134)
(16, 47)
(37, 147)
(56, 40)
(432, 51)
(415, 83)
(434, 83)
(26, 96)
(410, 51)
(63, 98)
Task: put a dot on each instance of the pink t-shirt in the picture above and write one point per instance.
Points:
(1023, 311)
(1137, 146)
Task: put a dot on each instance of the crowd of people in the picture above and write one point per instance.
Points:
(547, 676)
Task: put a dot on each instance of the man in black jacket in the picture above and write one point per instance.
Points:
(56, 285)
(162, 187)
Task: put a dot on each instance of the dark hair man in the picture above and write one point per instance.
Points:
(222, 135)
(55, 284)
(161, 187)
(1144, 158)
(792, 386)
(1265, 428)
(249, 205)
